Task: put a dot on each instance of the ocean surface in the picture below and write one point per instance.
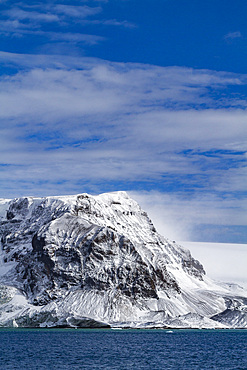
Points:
(122, 349)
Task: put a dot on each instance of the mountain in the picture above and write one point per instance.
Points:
(97, 261)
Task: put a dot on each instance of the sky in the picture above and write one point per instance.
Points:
(143, 96)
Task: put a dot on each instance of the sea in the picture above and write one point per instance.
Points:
(122, 349)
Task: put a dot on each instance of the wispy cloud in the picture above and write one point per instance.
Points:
(23, 18)
(49, 12)
(76, 11)
(73, 37)
(111, 22)
(233, 35)
(17, 29)
(14, 27)
(34, 16)
(55, 22)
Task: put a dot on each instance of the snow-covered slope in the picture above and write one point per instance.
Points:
(98, 261)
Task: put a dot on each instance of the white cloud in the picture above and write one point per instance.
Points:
(156, 91)
(36, 16)
(76, 11)
(233, 35)
(24, 20)
(15, 26)
(210, 128)
(73, 37)
(111, 22)
(12, 26)
(127, 106)
(20, 14)
(50, 13)
(17, 29)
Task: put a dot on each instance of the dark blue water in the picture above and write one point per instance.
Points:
(123, 349)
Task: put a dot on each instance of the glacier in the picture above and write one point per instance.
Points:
(98, 261)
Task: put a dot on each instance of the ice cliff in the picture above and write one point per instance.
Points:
(97, 261)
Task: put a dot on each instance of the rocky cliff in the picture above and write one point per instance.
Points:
(97, 261)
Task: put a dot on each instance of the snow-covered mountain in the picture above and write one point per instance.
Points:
(95, 261)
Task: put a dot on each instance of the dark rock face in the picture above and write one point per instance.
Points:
(18, 207)
(88, 258)
(23, 219)
(194, 268)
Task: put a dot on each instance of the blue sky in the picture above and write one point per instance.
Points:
(143, 96)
